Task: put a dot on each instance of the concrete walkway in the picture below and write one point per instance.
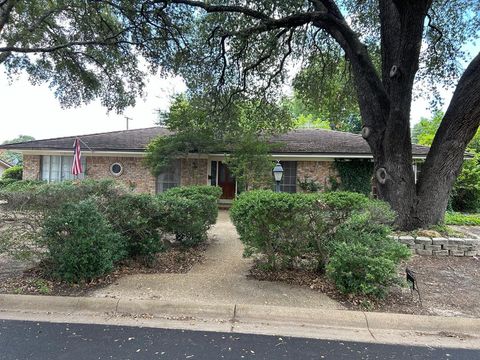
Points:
(221, 279)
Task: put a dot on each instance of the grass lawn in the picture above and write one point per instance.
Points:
(456, 218)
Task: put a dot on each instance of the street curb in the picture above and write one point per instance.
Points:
(241, 313)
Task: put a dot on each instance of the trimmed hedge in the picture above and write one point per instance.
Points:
(188, 212)
(142, 221)
(136, 218)
(284, 226)
(341, 232)
(363, 258)
(81, 243)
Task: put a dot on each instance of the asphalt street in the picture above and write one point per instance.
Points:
(43, 340)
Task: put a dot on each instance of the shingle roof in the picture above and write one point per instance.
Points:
(125, 140)
(300, 141)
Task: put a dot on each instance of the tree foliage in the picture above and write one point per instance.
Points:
(466, 190)
(241, 130)
(424, 131)
(230, 51)
(325, 85)
(13, 157)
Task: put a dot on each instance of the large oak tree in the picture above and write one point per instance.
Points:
(227, 48)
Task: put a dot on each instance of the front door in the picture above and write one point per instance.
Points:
(226, 181)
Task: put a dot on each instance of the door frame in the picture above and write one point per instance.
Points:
(217, 160)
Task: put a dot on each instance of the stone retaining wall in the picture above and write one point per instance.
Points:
(440, 246)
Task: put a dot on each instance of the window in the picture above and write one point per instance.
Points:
(213, 173)
(59, 168)
(169, 178)
(289, 179)
(116, 169)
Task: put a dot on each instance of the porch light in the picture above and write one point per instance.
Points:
(278, 174)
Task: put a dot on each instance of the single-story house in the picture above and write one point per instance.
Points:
(303, 153)
(4, 166)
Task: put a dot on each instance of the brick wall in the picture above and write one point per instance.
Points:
(134, 174)
(194, 172)
(319, 171)
(31, 167)
(422, 245)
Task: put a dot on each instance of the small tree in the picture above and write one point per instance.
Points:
(250, 163)
(13, 157)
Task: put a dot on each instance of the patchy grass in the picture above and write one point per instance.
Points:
(456, 218)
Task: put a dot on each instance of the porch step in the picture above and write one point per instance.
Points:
(224, 204)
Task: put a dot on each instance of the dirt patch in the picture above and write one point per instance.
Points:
(449, 286)
(35, 281)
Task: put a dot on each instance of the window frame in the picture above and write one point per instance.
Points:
(290, 187)
(61, 163)
(174, 176)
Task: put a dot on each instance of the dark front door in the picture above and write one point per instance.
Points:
(226, 181)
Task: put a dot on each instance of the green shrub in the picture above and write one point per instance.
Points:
(12, 185)
(364, 258)
(273, 224)
(285, 226)
(81, 243)
(44, 197)
(136, 218)
(188, 212)
(193, 190)
(466, 190)
(15, 173)
(6, 182)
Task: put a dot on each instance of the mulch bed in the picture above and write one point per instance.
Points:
(35, 281)
(449, 286)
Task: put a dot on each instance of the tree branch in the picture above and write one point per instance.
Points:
(222, 8)
(105, 42)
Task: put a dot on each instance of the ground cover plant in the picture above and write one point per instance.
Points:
(81, 230)
(343, 234)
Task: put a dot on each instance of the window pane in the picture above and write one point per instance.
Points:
(169, 178)
(45, 168)
(67, 162)
(213, 173)
(55, 170)
(289, 179)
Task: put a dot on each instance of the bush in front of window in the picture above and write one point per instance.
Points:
(15, 173)
(188, 212)
(81, 243)
(287, 226)
(322, 231)
(136, 218)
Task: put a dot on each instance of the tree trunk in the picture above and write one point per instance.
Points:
(444, 161)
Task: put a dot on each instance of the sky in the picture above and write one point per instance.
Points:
(33, 110)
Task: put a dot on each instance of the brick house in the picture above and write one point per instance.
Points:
(303, 153)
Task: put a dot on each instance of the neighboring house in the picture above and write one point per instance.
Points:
(303, 153)
(3, 166)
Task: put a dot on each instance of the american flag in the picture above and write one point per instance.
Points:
(77, 158)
